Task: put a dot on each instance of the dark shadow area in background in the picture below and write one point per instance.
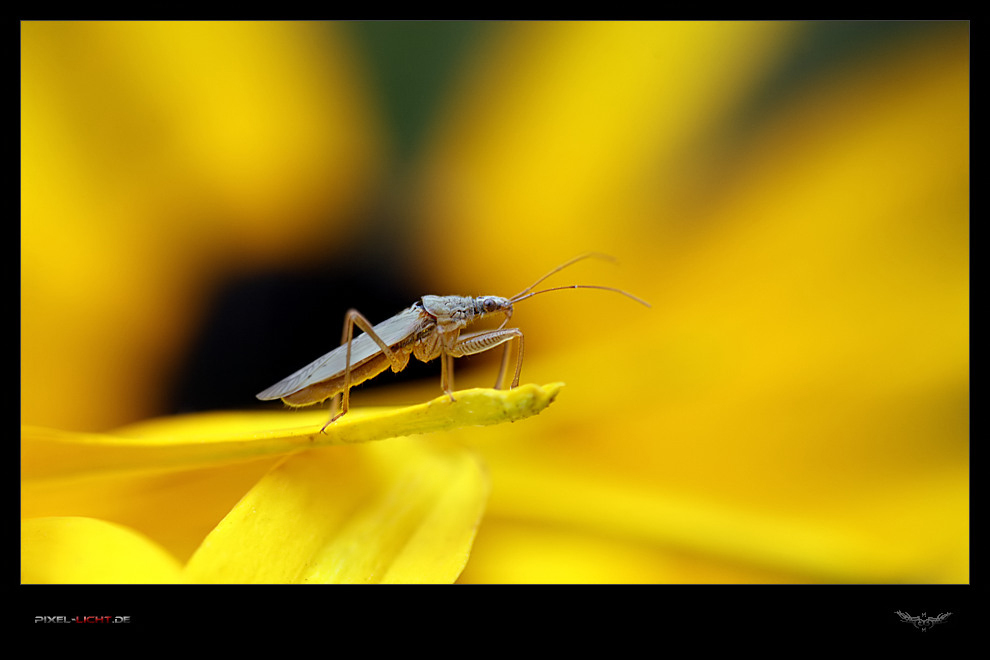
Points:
(262, 327)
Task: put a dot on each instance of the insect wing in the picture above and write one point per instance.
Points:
(391, 331)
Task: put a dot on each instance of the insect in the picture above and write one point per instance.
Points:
(429, 329)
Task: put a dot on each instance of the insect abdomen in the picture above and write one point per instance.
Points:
(325, 389)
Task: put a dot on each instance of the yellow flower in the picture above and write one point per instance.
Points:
(157, 158)
(401, 511)
(793, 408)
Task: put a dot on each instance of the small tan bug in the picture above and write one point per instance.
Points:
(430, 328)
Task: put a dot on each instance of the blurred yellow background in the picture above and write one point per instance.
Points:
(791, 198)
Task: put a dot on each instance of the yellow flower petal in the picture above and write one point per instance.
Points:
(152, 154)
(85, 550)
(176, 508)
(804, 368)
(400, 512)
(562, 124)
(367, 512)
(200, 440)
(869, 542)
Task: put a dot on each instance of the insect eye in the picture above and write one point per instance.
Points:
(490, 305)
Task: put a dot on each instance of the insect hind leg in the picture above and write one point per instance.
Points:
(341, 401)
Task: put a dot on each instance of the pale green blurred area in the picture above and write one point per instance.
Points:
(792, 198)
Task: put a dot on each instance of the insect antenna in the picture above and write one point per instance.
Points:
(586, 255)
(522, 296)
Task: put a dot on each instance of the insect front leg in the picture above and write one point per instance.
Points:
(480, 342)
(352, 318)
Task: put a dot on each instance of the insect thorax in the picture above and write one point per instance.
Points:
(450, 310)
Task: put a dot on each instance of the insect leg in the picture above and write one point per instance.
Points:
(352, 318)
(500, 379)
(480, 342)
(447, 374)
(335, 401)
